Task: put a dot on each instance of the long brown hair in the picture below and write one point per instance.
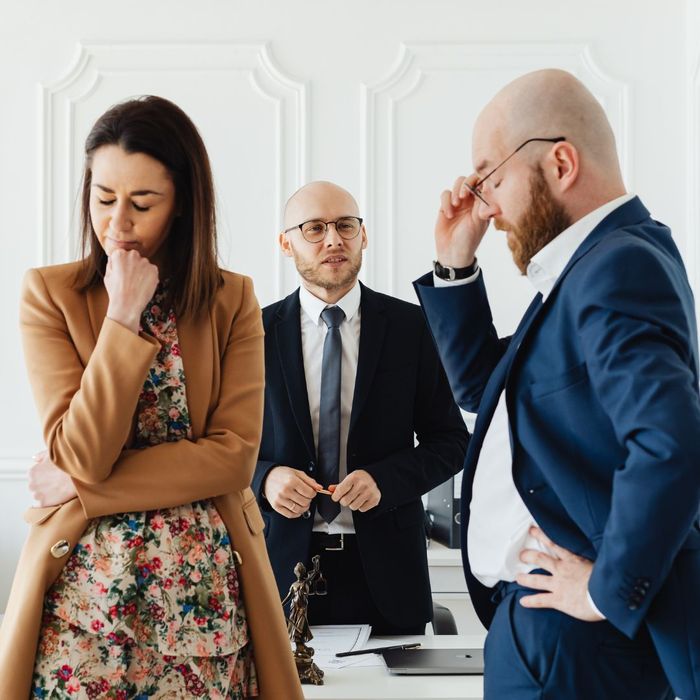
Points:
(160, 129)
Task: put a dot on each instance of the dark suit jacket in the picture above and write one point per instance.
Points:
(400, 391)
(601, 386)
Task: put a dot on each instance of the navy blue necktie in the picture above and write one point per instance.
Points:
(329, 414)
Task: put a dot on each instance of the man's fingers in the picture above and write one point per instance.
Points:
(356, 502)
(367, 505)
(539, 559)
(370, 503)
(458, 191)
(304, 490)
(538, 582)
(308, 481)
(446, 204)
(287, 513)
(541, 600)
(343, 488)
(351, 498)
(560, 551)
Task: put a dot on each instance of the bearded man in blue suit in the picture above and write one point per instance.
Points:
(581, 492)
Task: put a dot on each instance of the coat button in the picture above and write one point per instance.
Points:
(312, 466)
(306, 514)
(60, 549)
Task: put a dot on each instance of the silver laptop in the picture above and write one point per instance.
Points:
(426, 662)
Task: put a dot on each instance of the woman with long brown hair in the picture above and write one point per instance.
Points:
(145, 573)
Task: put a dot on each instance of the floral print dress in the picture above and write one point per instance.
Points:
(148, 604)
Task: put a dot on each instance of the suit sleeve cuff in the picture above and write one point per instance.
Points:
(439, 282)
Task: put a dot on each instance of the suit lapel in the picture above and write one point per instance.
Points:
(372, 329)
(287, 340)
(629, 214)
(498, 379)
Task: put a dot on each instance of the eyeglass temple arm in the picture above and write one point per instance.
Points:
(557, 139)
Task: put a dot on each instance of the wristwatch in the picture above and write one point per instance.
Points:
(445, 272)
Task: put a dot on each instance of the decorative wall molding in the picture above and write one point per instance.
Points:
(95, 64)
(14, 468)
(382, 101)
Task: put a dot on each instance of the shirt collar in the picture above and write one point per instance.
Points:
(313, 306)
(546, 266)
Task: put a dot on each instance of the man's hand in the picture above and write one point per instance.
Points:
(459, 229)
(49, 485)
(567, 587)
(358, 491)
(290, 491)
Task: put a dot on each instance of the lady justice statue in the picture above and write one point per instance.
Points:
(311, 583)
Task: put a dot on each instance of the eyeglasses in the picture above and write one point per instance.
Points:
(476, 190)
(315, 230)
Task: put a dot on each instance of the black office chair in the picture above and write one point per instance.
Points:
(443, 620)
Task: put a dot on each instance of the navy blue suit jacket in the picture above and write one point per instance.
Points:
(401, 393)
(601, 385)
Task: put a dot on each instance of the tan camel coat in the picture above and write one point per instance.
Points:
(87, 373)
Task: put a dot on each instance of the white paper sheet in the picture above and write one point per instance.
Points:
(330, 639)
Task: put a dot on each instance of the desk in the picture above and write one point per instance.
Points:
(376, 683)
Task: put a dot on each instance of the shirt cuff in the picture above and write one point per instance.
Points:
(594, 608)
(439, 282)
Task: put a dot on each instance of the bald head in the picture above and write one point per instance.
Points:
(549, 103)
(319, 200)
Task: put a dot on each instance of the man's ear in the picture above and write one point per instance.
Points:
(363, 233)
(563, 165)
(285, 245)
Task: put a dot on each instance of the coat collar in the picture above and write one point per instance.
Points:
(628, 214)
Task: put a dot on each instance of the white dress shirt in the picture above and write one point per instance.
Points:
(313, 335)
(499, 521)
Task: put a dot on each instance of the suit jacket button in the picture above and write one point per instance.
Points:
(312, 466)
(60, 549)
(632, 606)
(306, 514)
